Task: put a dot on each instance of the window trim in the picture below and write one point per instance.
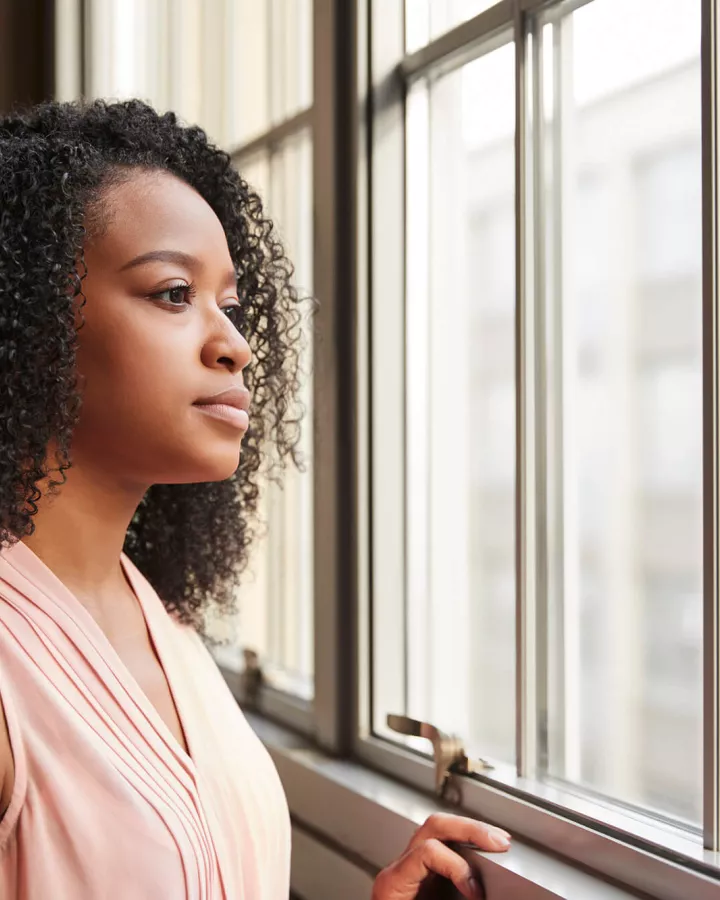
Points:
(667, 855)
(335, 287)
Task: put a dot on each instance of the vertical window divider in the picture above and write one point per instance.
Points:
(559, 625)
(540, 418)
(711, 606)
(526, 624)
(334, 285)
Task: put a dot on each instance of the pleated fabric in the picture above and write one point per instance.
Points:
(106, 804)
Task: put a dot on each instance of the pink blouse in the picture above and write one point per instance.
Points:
(106, 804)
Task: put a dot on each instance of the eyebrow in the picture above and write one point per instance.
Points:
(174, 256)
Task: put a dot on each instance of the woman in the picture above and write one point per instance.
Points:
(143, 298)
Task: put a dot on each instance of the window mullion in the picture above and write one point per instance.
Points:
(711, 707)
(525, 594)
(334, 183)
(539, 421)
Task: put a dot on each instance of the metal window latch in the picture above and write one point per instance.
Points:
(251, 678)
(448, 752)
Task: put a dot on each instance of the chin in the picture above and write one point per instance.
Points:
(219, 468)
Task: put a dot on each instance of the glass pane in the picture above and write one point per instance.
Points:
(290, 518)
(129, 46)
(426, 19)
(249, 110)
(460, 411)
(624, 407)
(256, 171)
(291, 54)
(272, 76)
(276, 599)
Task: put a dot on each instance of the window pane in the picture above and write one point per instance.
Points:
(460, 404)
(291, 53)
(271, 79)
(624, 407)
(249, 110)
(276, 598)
(129, 45)
(426, 19)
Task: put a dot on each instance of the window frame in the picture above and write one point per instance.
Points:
(574, 827)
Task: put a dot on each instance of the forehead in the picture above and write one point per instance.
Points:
(149, 210)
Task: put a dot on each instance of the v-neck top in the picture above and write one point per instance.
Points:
(106, 804)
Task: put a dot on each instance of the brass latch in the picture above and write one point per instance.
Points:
(448, 752)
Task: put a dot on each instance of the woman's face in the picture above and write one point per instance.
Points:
(158, 338)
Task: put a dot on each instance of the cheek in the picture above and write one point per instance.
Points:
(138, 388)
(132, 375)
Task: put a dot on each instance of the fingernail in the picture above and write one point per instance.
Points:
(501, 838)
(475, 889)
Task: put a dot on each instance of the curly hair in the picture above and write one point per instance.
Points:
(190, 540)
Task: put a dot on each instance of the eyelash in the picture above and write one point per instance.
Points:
(188, 291)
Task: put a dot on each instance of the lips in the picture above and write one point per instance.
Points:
(236, 396)
(230, 406)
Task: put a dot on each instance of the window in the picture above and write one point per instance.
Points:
(528, 513)
(538, 390)
(132, 49)
(243, 71)
(276, 600)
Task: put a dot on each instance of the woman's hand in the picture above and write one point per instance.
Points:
(427, 854)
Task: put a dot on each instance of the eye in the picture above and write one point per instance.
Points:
(234, 313)
(177, 295)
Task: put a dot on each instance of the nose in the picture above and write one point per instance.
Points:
(224, 346)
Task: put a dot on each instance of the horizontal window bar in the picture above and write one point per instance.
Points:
(528, 7)
(457, 46)
(453, 48)
(275, 136)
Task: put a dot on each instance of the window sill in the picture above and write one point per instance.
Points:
(369, 818)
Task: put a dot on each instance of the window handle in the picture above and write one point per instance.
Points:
(251, 678)
(448, 751)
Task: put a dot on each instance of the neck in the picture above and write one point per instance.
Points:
(80, 532)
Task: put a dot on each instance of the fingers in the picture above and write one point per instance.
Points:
(432, 856)
(428, 854)
(460, 829)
